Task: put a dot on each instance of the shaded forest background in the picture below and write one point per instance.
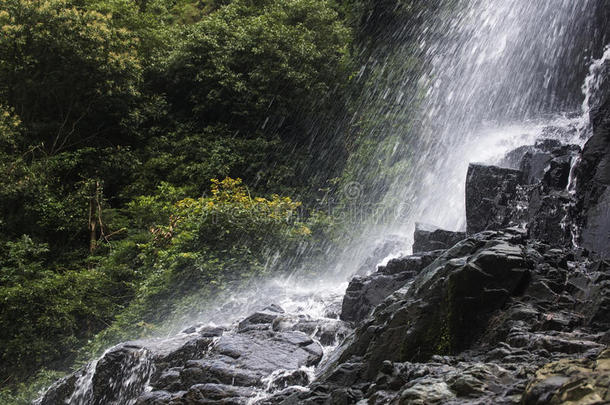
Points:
(155, 153)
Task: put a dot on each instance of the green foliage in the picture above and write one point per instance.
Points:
(191, 158)
(10, 126)
(25, 391)
(68, 73)
(45, 315)
(206, 245)
(114, 115)
(253, 64)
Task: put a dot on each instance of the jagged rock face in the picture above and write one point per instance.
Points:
(443, 309)
(474, 327)
(490, 191)
(593, 178)
(365, 293)
(535, 197)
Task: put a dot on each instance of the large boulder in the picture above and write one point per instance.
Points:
(366, 292)
(490, 195)
(573, 381)
(428, 238)
(448, 304)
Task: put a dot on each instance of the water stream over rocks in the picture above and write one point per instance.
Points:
(505, 299)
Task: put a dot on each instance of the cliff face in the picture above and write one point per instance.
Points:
(593, 173)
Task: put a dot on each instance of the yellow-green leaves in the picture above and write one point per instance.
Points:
(9, 127)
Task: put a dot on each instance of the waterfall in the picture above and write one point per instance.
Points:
(491, 75)
(495, 75)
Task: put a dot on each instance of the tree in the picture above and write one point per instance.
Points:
(69, 73)
(259, 64)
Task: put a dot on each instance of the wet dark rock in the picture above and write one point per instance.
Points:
(490, 191)
(534, 160)
(155, 398)
(534, 164)
(595, 234)
(551, 144)
(514, 158)
(429, 238)
(168, 379)
(484, 316)
(182, 350)
(412, 263)
(128, 362)
(226, 367)
(365, 292)
(542, 202)
(211, 331)
(289, 378)
(216, 371)
(327, 331)
(237, 364)
(216, 394)
(448, 304)
(261, 319)
(597, 297)
(593, 174)
(548, 218)
(593, 188)
(557, 174)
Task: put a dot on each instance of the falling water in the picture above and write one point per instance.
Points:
(497, 73)
(593, 81)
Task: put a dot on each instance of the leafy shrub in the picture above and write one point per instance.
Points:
(207, 245)
(43, 317)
